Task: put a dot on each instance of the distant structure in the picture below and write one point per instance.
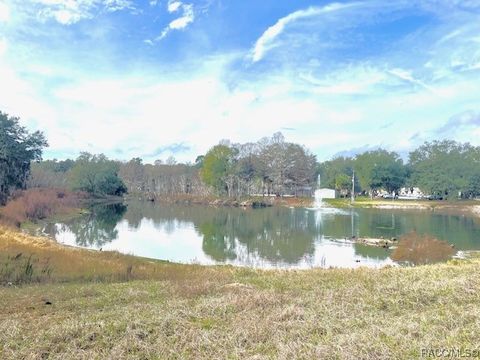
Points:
(411, 193)
(327, 193)
(324, 193)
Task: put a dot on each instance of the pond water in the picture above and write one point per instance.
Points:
(268, 237)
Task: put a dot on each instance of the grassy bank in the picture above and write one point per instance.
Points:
(107, 305)
(468, 206)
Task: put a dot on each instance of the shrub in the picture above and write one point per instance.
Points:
(37, 204)
(421, 249)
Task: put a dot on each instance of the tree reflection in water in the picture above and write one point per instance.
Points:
(272, 234)
(99, 227)
(275, 236)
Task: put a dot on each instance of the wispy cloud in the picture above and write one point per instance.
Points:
(407, 76)
(464, 121)
(267, 40)
(68, 12)
(180, 23)
(172, 149)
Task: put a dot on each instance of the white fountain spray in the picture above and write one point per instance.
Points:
(318, 195)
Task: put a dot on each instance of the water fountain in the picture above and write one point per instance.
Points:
(318, 195)
(319, 206)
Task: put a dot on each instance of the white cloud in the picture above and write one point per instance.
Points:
(117, 5)
(188, 16)
(266, 41)
(183, 21)
(4, 12)
(64, 16)
(407, 76)
(68, 12)
(173, 6)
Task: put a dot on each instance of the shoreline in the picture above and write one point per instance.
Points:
(470, 207)
(104, 304)
(460, 207)
(218, 201)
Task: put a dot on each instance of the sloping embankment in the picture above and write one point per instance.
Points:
(86, 308)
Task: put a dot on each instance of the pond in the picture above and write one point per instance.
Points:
(269, 237)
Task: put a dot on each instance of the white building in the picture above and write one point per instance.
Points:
(327, 193)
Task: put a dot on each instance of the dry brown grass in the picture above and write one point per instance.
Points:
(199, 312)
(419, 249)
(37, 204)
(75, 264)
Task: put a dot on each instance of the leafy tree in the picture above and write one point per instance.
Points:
(446, 168)
(334, 173)
(343, 183)
(199, 161)
(390, 176)
(372, 168)
(217, 166)
(96, 175)
(473, 187)
(18, 148)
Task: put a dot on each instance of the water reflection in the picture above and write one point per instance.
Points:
(276, 235)
(260, 237)
(97, 228)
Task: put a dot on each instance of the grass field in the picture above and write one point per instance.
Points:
(100, 305)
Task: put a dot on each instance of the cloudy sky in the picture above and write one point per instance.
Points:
(159, 78)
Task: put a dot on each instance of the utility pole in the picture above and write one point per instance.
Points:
(353, 188)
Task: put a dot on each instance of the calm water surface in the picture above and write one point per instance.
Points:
(271, 237)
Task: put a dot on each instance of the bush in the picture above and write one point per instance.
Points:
(37, 204)
(419, 249)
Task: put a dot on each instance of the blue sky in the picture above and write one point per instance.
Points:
(160, 78)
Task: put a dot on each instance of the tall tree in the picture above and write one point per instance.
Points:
(217, 168)
(18, 148)
(390, 176)
(96, 175)
(333, 170)
(379, 169)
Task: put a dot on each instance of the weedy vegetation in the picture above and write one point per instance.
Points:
(37, 204)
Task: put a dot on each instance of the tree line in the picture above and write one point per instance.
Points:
(441, 168)
(270, 166)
